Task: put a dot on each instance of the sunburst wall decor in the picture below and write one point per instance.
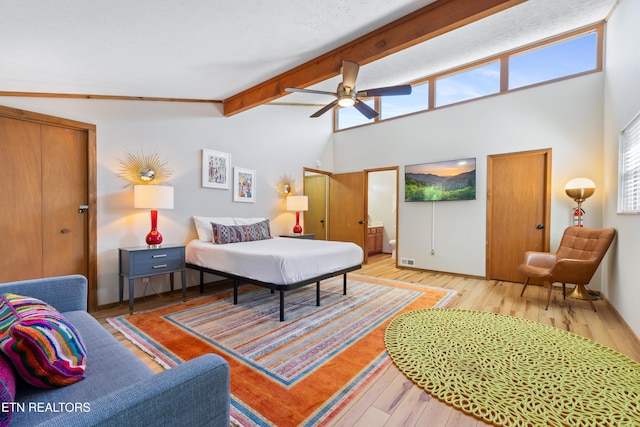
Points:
(286, 185)
(140, 168)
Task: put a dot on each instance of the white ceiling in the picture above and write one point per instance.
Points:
(212, 49)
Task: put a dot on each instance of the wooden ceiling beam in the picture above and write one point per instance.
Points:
(431, 21)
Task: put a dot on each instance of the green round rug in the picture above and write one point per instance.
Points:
(515, 372)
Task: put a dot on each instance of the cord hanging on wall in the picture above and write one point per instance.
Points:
(433, 228)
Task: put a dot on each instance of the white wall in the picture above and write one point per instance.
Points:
(273, 140)
(622, 103)
(566, 116)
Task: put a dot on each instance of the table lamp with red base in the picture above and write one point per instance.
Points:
(153, 197)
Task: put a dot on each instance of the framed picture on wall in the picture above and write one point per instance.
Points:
(216, 169)
(244, 185)
(444, 180)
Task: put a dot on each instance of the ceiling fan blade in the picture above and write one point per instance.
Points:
(386, 91)
(349, 73)
(324, 109)
(320, 92)
(369, 112)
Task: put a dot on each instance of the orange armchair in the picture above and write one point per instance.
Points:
(576, 260)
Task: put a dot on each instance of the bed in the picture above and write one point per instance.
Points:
(279, 263)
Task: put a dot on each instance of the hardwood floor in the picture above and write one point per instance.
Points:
(393, 400)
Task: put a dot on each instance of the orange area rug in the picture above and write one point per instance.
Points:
(306, 370)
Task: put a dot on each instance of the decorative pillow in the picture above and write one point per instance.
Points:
(203, 226)
(240, 233)
(7, 389)
(43, 346)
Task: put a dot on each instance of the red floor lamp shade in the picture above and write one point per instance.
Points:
(297, 204)
(153, 197)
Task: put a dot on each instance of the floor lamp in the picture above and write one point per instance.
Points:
(580, 189)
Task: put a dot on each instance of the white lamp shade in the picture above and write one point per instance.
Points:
(297, 203)
(153, 196)
(579, 183)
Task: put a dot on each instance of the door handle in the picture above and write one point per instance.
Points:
(361, 222)
(540, 226)
(82, 208)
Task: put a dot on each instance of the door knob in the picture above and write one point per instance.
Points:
(361, 222)
(540, 226)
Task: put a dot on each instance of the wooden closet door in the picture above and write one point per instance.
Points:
(20, 195)
(43, 181)
(64, 189)
(518, 210)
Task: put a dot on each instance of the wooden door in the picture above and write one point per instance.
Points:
(64, 190)
(20, 193)
(47, 171)
(518, 210)
(347, 208)
(315, 219)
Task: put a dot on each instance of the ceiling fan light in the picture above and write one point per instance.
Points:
(346, 102)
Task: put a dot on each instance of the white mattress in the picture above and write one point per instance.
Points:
(280, 261)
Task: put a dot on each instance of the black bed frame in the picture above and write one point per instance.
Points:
(281, 288)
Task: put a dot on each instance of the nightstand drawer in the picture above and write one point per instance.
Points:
(150, 262)
(156, 266)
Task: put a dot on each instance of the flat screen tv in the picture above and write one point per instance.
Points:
(435, 181)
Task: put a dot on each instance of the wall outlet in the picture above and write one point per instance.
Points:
(433, 251)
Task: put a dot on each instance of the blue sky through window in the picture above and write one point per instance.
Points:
(349, 117)
(565, 58)
(394, 106)
(552, 62)
(469, 84)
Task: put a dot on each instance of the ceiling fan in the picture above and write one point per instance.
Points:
(347, 95)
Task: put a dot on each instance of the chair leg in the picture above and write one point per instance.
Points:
(549, 295)
(526, 282)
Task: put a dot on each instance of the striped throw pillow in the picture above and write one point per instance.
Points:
(45, 349)
(241, 233)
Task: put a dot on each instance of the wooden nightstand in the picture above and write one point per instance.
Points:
(300, 236)
(142, 261)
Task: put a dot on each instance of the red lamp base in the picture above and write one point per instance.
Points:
(297, 229)
(154, 238)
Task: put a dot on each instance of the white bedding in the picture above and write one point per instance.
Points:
(280, 261)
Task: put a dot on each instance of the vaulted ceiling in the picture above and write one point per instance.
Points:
(244, 53)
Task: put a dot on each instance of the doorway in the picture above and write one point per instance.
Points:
(382, 212)
(358, 204)
(48, 175)
(347, 208)
(518, 210)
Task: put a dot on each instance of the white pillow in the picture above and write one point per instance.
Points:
(203, 226)
(246, 221)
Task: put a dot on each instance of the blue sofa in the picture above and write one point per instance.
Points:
(119, 389)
